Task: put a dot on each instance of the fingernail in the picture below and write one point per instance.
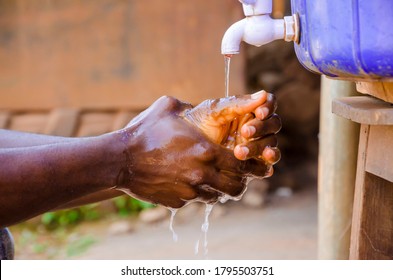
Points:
(257, 94)
(244, 151)
(268, 153)
(251, 131)
(264, 111)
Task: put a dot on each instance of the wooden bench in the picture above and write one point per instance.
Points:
(372, 222)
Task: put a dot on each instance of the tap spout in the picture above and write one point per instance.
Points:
(233, 37)
(259, 30)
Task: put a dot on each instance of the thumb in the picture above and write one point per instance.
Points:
(225, 110)
(217, 117)
(240, 104)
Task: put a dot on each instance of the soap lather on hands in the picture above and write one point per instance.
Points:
(179, 153)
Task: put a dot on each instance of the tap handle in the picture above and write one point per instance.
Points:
(248, 2)
(257, 7)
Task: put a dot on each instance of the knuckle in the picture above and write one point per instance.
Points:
(168, 101)
(208, 154)
(197, 177)
(205, 151)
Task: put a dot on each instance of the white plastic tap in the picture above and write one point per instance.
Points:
(257, 7)
(258, 28)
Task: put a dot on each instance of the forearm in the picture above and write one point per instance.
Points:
(16, 139)
(40, 178)
(92, 198)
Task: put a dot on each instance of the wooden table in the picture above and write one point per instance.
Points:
(372, 222)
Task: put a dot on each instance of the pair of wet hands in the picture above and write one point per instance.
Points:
(178, 153)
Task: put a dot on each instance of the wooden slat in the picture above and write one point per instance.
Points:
(29, 122)
(121, 119)
(376, 232)
(359, 196)
(4, 119)
(62, 122)
(364, 110)
(372, 223)
(381, 90)
(380, 152)
(94, 123)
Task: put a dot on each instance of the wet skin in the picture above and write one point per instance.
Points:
(245, 124)
(199, 164)
(163, 156)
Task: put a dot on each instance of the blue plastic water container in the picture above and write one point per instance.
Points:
(346, 39)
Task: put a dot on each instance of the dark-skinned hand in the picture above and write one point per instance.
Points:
(177, 154)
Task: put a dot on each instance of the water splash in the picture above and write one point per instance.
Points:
(174, 234)
(205, 229)
(224, 198)
(196, 248)
(205, 226)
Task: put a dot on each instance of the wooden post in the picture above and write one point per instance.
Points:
(338, 145)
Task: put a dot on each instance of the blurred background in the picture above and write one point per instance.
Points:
(86, 67)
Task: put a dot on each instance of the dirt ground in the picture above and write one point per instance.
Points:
(286, 228)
